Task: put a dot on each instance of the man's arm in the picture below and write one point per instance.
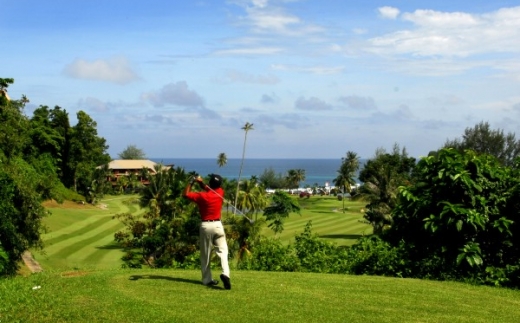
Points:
(199, 180)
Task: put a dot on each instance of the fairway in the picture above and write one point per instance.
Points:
(328, 220)
(82, 236)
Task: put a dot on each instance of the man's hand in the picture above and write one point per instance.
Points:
(199, 179)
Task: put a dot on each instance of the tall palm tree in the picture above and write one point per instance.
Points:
(222, 159)
(248, 126)
(346, 172)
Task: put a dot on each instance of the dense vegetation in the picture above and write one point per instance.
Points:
(42, 157)
(451, 215)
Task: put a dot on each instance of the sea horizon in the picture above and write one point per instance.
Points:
(318, 171)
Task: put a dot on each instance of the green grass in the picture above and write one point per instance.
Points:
(82, 282)
(177, 296)
(82, 236)
(328, 220)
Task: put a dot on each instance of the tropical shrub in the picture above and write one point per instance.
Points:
(270, 255)
(20, 213)
(459, 220)
(373, 256)
(317, 255)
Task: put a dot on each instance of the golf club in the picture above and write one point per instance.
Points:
(226, 201)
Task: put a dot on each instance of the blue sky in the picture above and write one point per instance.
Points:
(316, 78)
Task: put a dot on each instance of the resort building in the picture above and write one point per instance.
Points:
(128, 167)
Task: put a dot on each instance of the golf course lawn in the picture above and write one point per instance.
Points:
(162, 295)
(81, 236)
(82, 281)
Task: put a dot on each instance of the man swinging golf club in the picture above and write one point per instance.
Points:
(211, 232)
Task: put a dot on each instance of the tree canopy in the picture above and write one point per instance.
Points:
(40, 157)
(132, 152)
(484, 140)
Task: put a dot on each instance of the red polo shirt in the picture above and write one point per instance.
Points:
(209, 203)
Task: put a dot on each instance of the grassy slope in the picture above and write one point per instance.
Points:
(178, 296)
(83, 239)
(81, 236)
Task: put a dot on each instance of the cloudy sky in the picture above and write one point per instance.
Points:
(316, 78)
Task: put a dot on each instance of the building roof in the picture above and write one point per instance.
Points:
(133, 164)
(4, 93)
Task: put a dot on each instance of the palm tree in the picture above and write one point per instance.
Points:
(382, 176)
(295, 177)
(252, 198)
(248, 126)
(346, 172)
(222, 159)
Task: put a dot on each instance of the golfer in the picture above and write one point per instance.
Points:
(211, 232)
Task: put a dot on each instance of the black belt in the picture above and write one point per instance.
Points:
(210, 220)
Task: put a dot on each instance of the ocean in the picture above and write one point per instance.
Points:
(317, 171)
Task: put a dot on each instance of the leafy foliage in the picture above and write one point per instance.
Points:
(270, 179)
(167, 233)
(459, 218)
(317, 255)
(270, 255)
(132, 152)
(381, 177)
(282, 205)
(20, 213)
(483, 140)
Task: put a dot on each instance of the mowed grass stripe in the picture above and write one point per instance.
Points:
(325, 224)
(323, 221)
(105, 255)
(59, 236)
(84, 242)
(72, 239)
(343, 226)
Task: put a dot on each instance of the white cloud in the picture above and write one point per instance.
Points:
(115, 70)
(388, 12)
(264, 17)
(453, 34)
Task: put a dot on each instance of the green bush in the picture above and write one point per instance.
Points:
(459, 219)
(373, 256)
(270, 254)
(317, 255)
(4, 259)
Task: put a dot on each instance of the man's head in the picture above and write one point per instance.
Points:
(215, 181)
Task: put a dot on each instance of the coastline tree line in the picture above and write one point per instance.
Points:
(451, 215)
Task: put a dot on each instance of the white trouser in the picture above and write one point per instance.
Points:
(211, 235)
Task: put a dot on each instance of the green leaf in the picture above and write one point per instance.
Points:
(459, 225)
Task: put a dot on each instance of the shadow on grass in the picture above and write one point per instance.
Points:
(109, 247)
(341, 236)
(174, 279)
